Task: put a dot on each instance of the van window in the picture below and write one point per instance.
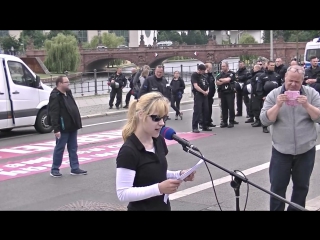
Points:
(20, 75)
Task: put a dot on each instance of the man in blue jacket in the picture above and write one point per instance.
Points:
(292, 120)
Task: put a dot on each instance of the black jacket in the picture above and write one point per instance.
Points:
(311, 73)
(243, 75)
(62, 116)
(281, 70)
(121, 79)
(154, 84)
(177, 86)
(212, 84)
(130, 79)
(265, 77)
(253, 81)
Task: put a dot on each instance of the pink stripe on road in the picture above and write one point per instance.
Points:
(22, 168)
(47, 146)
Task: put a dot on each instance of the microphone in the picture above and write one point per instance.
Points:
(170, 134)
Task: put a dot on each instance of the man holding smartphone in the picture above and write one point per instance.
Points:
(294, 136)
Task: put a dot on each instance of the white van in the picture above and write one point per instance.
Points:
(164, 44)
(23, 97)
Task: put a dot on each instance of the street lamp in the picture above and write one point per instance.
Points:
(271, 45)
(12, 51)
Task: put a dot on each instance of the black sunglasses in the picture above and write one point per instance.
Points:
(157, 118)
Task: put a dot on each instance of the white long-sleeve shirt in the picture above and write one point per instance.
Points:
(127, 193)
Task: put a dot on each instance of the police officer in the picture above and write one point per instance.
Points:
(280, 68)
(117, 83)
(267, 81)
(226, 86)
(250, 90)
(200, 89)
(242, 76)
(212, 90)
(130, 92)
(312, 74)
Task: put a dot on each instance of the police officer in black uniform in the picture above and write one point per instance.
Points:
(250, 90)
(312, 74)
(242, 76)
(130, 92)
(267, 81)
(200, 89)
(280, 69)
(117, 82)
(226, 87)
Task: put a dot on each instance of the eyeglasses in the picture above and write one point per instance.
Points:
(157, 118)
(292, 69)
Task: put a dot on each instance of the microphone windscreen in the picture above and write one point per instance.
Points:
(167, 133)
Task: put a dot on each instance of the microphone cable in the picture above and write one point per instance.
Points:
(213, 187)
(245, 204)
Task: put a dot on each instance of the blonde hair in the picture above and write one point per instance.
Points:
(145, 71)
(153, 102)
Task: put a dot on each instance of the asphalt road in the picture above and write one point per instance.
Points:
(25, 160)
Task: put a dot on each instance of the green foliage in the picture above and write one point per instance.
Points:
(190, 37)
(292, 35)
(246, 38)
(62, 54)
(37, 36)
(54, 33)
(8, 41)
(109, 40)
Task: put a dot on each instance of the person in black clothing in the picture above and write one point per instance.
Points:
(200, 89)
(177, 89)
(64, 117)
(226, 86)
(242, 76)
(130, 79)
(156, 83)
(117, 83)
(280, 69)
(312, 74)
(267, 81)
(212, 91)
(142, 175)
(136, 80)
(254, 112)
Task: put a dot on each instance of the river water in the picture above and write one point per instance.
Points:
(86, 85)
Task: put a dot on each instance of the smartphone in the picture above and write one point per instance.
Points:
(292, 97)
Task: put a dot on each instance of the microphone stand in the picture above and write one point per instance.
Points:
(238, 179)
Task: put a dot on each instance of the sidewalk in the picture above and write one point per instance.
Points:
(96, 106)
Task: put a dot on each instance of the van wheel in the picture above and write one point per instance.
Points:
(6, 130)
(41, 124)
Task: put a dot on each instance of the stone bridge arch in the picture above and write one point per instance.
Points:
(88, 60)
(161, 57)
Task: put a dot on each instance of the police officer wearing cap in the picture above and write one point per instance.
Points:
(267, 81)
(200, 89)
(250, 90)
(117, 83)
(226, 88)
(242, 76)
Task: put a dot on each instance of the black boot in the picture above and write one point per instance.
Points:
(257, 123)
(265, 129)
(250, 120)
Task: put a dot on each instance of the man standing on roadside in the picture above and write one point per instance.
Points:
(117, 83)
(65, 118)
(130, 79)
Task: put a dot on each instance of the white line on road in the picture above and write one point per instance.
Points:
(207, 185)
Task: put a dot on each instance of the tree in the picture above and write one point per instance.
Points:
(37, 36)
(246, 38)
(8, 41)
(109, 40)
(292, 35)
(54, 33)
(62, 54)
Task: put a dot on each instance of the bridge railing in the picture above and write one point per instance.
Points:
(96, 82)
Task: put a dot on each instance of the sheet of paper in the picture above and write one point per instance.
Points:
(185, 175)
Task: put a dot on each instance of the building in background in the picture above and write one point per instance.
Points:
(235, 35)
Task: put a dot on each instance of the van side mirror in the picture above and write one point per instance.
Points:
(37, 82)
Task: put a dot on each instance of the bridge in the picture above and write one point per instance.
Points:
(153, 56)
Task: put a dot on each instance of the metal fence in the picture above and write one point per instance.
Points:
(96, 82)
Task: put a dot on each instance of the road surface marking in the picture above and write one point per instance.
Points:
(21, 168)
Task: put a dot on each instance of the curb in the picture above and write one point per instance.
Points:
(123, 111)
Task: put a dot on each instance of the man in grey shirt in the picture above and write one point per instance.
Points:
(293, 127)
